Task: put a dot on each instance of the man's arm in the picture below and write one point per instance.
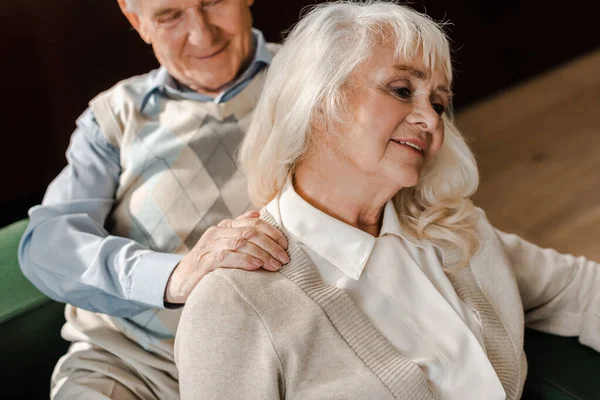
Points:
(67, 253)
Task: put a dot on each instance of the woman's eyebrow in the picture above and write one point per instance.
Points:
(417, 73)
(445, 90)
(422, 75)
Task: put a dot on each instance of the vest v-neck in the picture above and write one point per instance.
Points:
(239, 106)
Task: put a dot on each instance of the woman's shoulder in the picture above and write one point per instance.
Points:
(482, 224)
(487, 232)
(490, 239)
(255, 288)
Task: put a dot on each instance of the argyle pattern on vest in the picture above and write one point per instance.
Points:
(186, 181)
(178, 178)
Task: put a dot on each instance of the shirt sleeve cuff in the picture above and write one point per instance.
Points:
(150, 278)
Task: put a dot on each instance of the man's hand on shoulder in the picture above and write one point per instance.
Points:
(246, 242)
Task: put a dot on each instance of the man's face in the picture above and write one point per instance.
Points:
(204, 44)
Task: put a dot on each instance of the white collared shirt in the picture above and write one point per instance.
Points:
(398, 282)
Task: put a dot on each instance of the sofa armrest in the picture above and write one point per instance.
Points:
(560, 368)
(18, 295)
(30, 323)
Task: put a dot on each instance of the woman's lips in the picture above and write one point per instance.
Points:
(409, 145)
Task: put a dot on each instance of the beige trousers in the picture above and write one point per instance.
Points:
(104, 364)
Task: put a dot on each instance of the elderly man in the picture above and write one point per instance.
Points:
(144, 208)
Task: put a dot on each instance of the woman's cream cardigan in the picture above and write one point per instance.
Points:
(264, 335)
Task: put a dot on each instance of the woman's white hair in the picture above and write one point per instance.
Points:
(307, 74)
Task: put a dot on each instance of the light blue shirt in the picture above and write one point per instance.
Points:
(66, 251)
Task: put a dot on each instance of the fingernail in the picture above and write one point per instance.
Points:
(257, 262)
(283, 244)
(283, 257)
(275, 264)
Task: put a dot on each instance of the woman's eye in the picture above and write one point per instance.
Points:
(403, 92)
(438, 108)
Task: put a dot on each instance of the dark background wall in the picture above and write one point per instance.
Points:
(57, 55)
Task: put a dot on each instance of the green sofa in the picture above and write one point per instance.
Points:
(559, 368)
(30, 342)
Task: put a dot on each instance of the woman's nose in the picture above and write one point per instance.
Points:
(424, 115)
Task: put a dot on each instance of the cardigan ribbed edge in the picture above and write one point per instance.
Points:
(403, 378)
(498, 345)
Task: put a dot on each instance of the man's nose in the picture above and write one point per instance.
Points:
(200, 31)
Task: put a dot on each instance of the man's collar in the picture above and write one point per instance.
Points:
(262, 54)
(163, 83)
(262, 57)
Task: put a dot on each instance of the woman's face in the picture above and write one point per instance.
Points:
(396, 125)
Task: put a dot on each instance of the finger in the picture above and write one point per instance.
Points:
(263, 227)
(256, 237)
(232, 259)
(226, 223)
(249, 214)
(242, 245)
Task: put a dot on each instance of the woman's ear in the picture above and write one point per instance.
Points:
(319, 120)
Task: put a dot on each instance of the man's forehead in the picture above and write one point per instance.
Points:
(161, 4)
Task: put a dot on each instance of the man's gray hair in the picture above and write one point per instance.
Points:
(132, 5)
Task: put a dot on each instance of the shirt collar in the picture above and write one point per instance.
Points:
(262, 57)
(346, 247)
(162, 82)
(391, 226)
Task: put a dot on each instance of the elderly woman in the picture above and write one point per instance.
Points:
(398, 287)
